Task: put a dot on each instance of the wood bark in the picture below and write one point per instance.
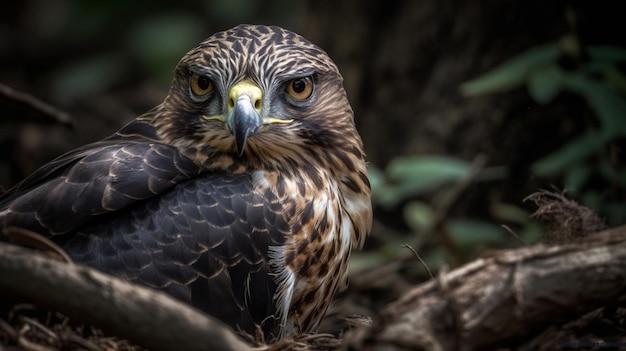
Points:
(144, 316)
(503, 297)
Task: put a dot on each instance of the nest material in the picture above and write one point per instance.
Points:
(567, 221)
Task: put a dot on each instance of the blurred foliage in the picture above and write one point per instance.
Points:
(593, 73)
(148, 42)
(408, 177)
(425, 188)
(546, 71)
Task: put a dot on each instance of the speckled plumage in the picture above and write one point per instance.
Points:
(256, 237)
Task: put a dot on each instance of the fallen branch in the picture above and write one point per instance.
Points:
(147, 317)
(502, 297)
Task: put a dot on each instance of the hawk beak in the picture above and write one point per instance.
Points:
(245, 101)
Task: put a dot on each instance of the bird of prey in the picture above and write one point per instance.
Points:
(243, 193)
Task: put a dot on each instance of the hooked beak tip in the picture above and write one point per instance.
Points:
(243, 121)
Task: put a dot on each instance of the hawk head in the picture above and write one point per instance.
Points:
(258, 97)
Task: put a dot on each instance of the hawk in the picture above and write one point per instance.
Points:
(242, 193)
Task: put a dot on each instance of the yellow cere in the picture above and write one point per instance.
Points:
(256, 98)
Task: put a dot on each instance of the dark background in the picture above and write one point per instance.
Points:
(105, 62)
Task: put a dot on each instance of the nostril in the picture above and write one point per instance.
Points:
(257, 104)
(231, 103)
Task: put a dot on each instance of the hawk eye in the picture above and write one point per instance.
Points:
(201, 86)
(300, 88)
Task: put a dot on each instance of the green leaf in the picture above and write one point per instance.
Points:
(615, 211)
(512, 73)
(575, 151)
(606, 102)
(612, 175)
(419, 216)
(434, 168)
(412, 176)
(544, 83)
(376, 177)
(531, 233)
(388, 196)
(610, 108)
(604, 53)
(492, 173)
(384, 194)
(366, 260)
(616, 79)
(509, 213)
(420, 174)
(576, 177)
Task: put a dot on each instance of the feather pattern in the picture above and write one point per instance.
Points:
(258, 240)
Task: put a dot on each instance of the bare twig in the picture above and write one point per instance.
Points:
(26, 107)
(513, 233)
(430, 274)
